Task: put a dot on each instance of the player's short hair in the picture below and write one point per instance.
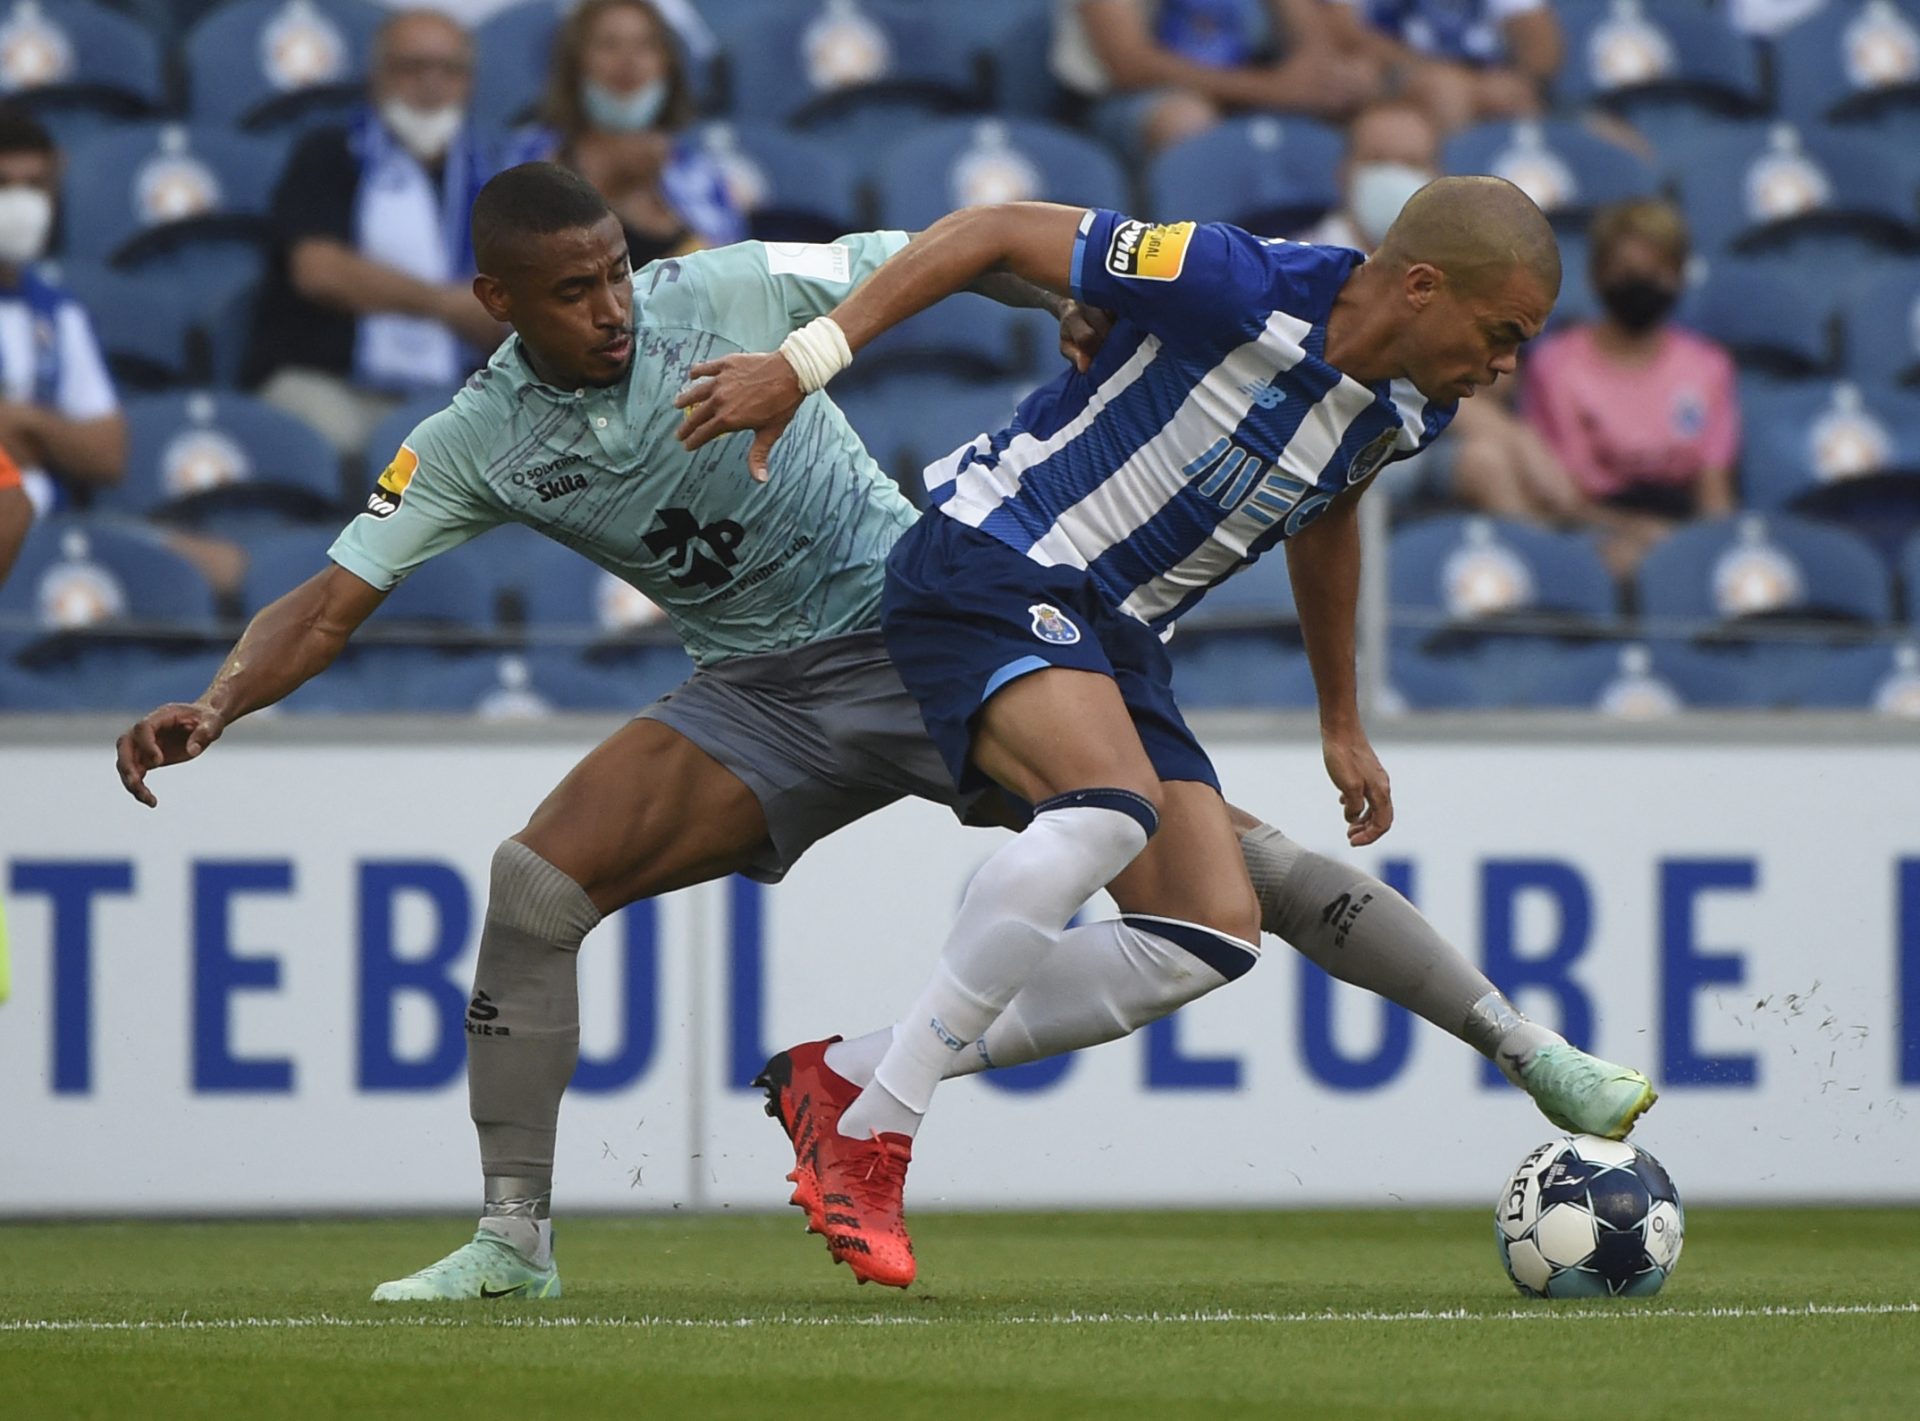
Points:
(21, 132)
(531, 200)
(1651, 219)
(1478, 230)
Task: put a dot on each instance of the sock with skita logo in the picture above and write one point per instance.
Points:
(523, 1036)
(1009, 920)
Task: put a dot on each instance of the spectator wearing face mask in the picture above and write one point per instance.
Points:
(60, 420)
(1643, 414)
(1154, 72)
(1462, 60)
(371, 301)
(616, 106)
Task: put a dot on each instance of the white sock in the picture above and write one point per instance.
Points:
(1013, 912)
(533, 1238)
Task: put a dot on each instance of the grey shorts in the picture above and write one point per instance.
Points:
(823, 735)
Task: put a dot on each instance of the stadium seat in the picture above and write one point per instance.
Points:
(968, 336)
(790, 188)
(222, 460)
(1711, 574)
(860, 71)
(1769, 316)
(1773, 183)
(954, 163)
(228, 310)
(1019, 43)
(100, 579)
(530, 685)
(1416, 681)
(1850, 59)
(1882, 323)
(24, 692)
(512, 49)
(280, 64)
(1269, 175)
(560, 591)
(908, 421)
(1620, 680)
(1806, 437)
(67, 58)
(1633, 55)
(1240, 673)
(1561, 164)
(386, 437)
(189, 201)
(279, 560)
(146, 330)
(1909, 564)
(1884, 678)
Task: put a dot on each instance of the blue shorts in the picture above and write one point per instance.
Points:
(963, 614)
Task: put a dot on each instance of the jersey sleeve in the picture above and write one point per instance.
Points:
(1193, 284)
(430, 499)
(757, 293)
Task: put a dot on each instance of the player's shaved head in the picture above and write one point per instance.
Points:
(519, 206)
(1477, 230)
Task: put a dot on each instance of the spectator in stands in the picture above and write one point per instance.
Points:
(16, 515)
(1464, 60)
(1156, 71)
(617, 104)
(1490, 458)
(371, 301)
(1642, 414)
(60, 419)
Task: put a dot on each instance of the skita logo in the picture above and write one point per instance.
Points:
(1050, 624)
(557, 488)
(711, 563)
(480, 1013)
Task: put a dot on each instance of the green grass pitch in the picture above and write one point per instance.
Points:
(1772, 1313)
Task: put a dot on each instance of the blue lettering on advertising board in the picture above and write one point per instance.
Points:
(1685, 969)
(1908, 916)
(70, 890)
(385, 974)
(1325, 1060)
(219, 971)
(640, 1007)
(1503, 883)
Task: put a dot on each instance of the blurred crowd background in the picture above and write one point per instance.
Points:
(234, 273)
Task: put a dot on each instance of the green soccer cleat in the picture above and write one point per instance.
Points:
(486, 1266)
(1583, 1093)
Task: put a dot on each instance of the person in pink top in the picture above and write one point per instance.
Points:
(1641, 414)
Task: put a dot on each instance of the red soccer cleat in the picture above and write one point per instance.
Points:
(860, 1184)
(806, 1097)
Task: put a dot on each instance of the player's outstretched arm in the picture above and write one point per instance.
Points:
(1032, 240)
(1323, 563)
(286, 645)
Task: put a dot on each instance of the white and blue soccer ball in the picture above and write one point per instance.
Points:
(1584, 1217)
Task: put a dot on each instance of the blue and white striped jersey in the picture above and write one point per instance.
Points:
(1209, 428)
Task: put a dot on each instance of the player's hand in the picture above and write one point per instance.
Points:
(172, 735)
(1083, 330)
(758, 392)
(1366, 796)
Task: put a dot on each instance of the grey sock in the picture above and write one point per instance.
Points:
(1359, 930)
(523, 1026)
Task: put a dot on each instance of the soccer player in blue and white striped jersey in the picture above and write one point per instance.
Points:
(1247, 392)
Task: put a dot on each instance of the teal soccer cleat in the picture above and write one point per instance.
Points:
(486, 1266)
(1583, 1093)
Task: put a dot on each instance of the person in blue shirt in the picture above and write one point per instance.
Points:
(1464, 60)
(1248, 392)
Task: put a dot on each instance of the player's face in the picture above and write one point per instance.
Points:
(1460, 340)
(571, 300)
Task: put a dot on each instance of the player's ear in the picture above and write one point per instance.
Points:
(1422, 284)
(491, 292)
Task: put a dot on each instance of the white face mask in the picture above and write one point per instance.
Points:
(26, 215)
(425, 133)
(1377, 192)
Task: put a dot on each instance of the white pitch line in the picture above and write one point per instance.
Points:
(1066, 1319)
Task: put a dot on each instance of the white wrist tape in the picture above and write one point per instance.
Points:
(818, 351)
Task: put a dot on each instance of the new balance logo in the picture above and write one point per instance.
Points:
(1265, 396)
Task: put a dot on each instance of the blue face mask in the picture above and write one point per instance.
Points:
(623, 113)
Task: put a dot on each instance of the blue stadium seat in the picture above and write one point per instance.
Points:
(1631, 54)
(228, 309)
(1882, 321)
(1772, 183)
(386, 437)
(954, 163)
(1018, 46)
(146, 330)
(884, 419)
(512, 49)
(279, 560)
(964, 336)
(1561, 164)
(24, 692)
(1416, 681)
(1767, 314)
(1884, 677)
(1753, 566)
(280, 64)
(790, 188)
(1577, 301)
(155, 680)
(71, 57)
(1805, 437)
(98, 577)
(561, 591)
(1240, 673)
(1621, 680)
(527, 685)
(191, 202)
(222, 460)
(1270, 175)
(1850, 59)
(861, 71)
(1910, 577)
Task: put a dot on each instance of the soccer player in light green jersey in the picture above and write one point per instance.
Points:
(794, 723)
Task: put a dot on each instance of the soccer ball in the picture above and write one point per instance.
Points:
(1584, 1217)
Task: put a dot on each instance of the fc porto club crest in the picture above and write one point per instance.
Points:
(1050, 624)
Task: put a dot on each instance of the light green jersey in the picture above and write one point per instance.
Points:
(739, 567)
